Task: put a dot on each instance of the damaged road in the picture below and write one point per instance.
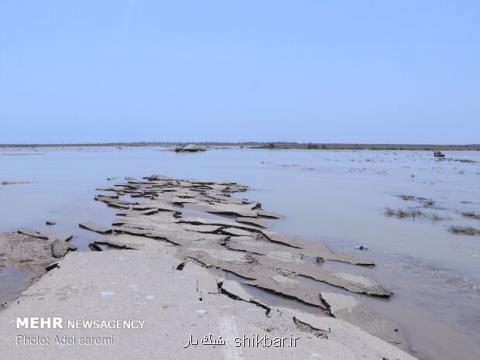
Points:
(180, 300)
(210, 225)
(157, 211)
(181, 241)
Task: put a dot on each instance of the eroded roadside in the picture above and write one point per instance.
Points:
(232, 237)
(33, 252)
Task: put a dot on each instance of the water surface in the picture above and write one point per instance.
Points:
(337, 197)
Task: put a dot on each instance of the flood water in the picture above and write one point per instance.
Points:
(335, 197)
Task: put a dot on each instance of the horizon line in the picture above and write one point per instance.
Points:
(264, 145)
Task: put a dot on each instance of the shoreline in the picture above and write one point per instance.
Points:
(266, 145)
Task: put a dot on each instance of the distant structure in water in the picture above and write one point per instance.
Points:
(190, 148)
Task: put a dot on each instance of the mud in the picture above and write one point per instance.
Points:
(31, 251)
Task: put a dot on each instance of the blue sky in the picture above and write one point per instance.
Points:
(320, 71)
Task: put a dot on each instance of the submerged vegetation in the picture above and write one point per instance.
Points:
(465, 230)
(471, 215)
(4, 182)
(418, 213)
(422, 200)
(400, 213)
(412, 213)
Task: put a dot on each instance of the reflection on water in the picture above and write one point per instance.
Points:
(338, 197)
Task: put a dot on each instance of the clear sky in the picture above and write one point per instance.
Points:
(237, 70)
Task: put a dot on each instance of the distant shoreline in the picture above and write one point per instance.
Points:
(267, 145)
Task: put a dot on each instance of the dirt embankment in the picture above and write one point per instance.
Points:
(31, 251)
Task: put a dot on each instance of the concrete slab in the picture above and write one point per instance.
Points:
(173, 307)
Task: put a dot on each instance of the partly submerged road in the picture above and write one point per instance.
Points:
(163, 284)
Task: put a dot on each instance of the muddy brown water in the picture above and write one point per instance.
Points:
(336, 197)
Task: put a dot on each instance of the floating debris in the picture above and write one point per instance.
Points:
(89, 225)
(94, 247)
(33, 233)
